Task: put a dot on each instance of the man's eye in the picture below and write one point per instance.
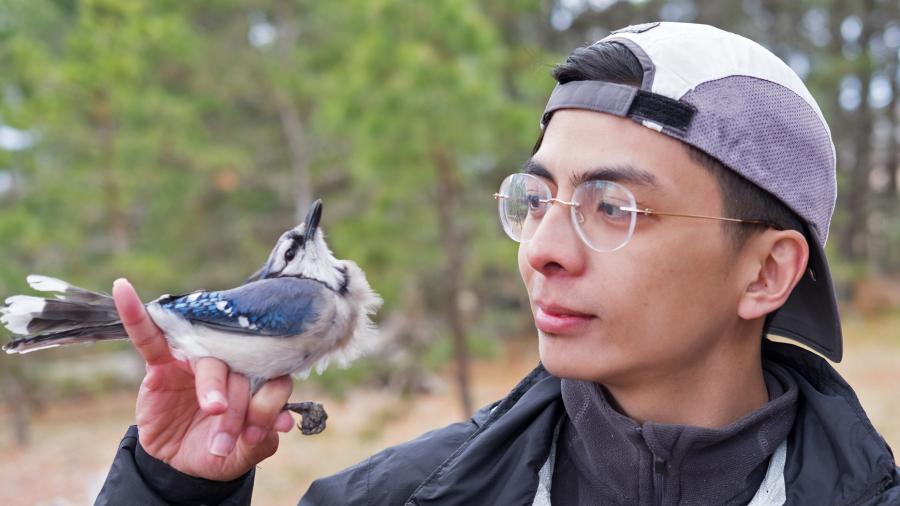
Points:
(608, 209)
(536, 208)
(611, 210)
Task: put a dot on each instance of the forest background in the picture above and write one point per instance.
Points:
(172, 142)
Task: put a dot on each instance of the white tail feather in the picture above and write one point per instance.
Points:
(29, 350)
(24, 304)
(18, 312)
(16, 323)
(46, 283)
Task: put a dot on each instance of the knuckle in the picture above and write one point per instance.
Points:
(232, 420)
(133, 319)
(206, 383)
(132, 315)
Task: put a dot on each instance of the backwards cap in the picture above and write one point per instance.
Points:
(733, 99)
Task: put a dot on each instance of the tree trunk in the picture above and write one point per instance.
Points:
(854, 240)
(448, 196)
(295, 135)
(291, 124)
(892, 193)
(102, 118)
(891, 260)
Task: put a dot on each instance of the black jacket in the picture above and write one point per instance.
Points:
(835, 456)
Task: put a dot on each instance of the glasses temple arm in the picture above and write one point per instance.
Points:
(658, 213)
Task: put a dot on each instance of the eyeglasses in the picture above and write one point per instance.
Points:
(603, 213)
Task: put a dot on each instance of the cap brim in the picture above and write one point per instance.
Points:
(810, 315)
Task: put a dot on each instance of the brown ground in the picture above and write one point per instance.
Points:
(74, 443)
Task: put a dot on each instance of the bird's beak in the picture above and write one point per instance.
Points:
(312, 219)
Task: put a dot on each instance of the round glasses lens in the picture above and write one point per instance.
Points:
(522, 205)
(599, 217)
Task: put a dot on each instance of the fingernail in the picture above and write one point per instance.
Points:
(215, 397)
(222, 445)
(120, 282)
(253, 435)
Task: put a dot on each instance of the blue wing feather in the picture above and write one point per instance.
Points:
(269, 307)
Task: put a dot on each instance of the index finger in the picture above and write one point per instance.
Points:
(147, 338)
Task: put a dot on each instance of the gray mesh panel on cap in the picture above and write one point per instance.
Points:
(772, 137)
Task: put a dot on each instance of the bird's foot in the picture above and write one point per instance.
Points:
(312, 415)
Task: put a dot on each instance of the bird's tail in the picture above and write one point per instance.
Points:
(76, 315)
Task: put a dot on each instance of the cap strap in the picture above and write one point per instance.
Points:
(663, 110)
(620, 100)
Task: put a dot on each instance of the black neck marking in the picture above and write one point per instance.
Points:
(342, 290)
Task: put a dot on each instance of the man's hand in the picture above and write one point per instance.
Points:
(201, 420)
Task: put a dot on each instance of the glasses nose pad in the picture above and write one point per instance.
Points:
(579, 216)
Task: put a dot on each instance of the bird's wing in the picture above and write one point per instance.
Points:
(268, 307)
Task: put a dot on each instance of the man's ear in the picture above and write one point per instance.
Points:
(774, 261)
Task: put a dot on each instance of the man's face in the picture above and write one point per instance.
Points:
(658, 305)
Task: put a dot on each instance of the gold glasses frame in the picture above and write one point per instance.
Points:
(646, 211)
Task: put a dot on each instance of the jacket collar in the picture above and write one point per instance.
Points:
(835, 456)
(608, 458)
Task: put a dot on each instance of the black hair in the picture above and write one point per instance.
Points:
(741, 199)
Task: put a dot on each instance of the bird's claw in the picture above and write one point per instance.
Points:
(312, 415)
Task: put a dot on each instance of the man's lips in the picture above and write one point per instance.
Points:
(556, 319)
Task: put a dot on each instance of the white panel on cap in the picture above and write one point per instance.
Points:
(687, 55)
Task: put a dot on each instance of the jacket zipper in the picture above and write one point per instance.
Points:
(659, 474)
(659, 480)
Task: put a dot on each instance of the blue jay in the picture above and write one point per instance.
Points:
(303, 309)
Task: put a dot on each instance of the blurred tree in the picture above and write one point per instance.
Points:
(158, 123)
(419, 95)
(172, 142)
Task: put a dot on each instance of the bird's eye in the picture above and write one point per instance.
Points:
(289, 254)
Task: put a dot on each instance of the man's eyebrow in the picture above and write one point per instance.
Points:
(535, 168)
(628, 174)
(617, 173)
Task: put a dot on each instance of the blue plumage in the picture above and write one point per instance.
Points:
(275, 307)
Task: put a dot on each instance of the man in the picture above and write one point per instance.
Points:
(674, 212)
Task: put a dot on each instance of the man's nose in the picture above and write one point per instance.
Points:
(555, 246)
